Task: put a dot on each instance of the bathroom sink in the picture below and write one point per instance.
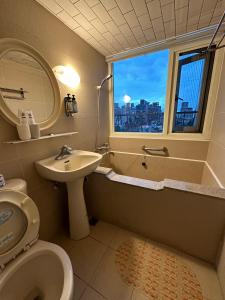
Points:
(72, 169)
(77, 165)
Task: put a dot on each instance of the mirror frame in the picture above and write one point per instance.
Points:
(9, 44)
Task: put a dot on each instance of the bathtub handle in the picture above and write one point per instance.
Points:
(148, 149)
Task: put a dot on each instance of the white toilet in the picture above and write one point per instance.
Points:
(30, 269)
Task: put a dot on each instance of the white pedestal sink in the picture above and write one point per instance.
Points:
(72, 169)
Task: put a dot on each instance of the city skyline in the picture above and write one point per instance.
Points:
(148, 116)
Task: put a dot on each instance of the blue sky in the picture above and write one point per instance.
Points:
(190, 83)
(142, 77)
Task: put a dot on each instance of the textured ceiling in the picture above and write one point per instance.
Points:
(112, 26)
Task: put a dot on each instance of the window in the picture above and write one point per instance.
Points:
(139, 88)
(165, 92)
(193, 81)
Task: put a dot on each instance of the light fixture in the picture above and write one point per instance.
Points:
(67, 75)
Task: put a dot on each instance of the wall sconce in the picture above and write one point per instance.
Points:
(67, 75)
(70, 105)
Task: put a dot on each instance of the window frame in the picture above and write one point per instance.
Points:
(173, 63)
(204, 91)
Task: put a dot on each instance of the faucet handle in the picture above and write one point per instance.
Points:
(69, 148)
(66, 147)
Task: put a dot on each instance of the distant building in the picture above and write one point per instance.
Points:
(145, 116)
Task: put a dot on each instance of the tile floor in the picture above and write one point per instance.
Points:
(96, 275)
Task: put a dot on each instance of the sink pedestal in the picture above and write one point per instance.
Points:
(79, 225)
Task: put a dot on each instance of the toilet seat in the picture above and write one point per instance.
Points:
(19, 224)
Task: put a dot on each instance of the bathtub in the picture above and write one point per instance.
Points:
(162, 198)
(155, 168)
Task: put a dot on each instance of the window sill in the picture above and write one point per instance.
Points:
(159, 136)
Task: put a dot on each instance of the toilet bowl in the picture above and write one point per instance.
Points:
(30, 269)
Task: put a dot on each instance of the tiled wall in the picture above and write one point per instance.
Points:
(30, 22)
(176, 148)
(216, 153)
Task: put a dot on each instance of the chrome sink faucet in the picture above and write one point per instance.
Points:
(65, 150)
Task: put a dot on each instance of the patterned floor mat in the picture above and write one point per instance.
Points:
(160, 274)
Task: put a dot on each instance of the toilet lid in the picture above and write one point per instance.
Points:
(19, 224)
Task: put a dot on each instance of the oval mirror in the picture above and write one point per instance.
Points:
(27, 82)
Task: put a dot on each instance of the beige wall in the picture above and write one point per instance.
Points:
(216, 153)
(176, 148)
(28, 21)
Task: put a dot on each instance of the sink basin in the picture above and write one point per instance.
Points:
(77, 165)
(72, 169)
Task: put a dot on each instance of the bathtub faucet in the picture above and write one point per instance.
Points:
(104, 147)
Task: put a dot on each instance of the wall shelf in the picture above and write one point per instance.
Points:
(44, 137)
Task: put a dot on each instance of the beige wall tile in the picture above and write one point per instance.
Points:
(216, 160)
(208, 178)
(218, 134)
(11, 169)
(177, 148)
(216, 154)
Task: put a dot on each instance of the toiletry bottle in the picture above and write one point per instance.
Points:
(34, 127)
(74, 101)
(30, 117)
(23, 128)
(2, 181)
